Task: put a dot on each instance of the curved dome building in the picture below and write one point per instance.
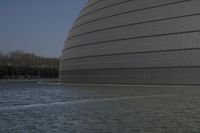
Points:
(134, 41)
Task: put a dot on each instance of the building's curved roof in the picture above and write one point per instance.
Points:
(133, 41)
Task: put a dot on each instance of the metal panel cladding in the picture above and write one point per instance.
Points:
(134, 41)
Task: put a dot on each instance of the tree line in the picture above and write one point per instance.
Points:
(23, 65)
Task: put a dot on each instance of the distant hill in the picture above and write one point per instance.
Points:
(23, 65)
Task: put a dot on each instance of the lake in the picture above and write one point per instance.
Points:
(52, 108)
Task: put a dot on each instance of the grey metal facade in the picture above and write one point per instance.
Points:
(134, 41)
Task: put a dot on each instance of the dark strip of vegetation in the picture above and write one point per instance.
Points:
(21, 65)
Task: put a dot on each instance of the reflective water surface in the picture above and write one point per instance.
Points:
(43, 108)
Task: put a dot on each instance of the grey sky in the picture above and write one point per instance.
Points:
(37, 26)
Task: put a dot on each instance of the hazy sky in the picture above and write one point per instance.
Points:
(37, 26)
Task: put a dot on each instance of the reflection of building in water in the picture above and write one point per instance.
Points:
(134, 41)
